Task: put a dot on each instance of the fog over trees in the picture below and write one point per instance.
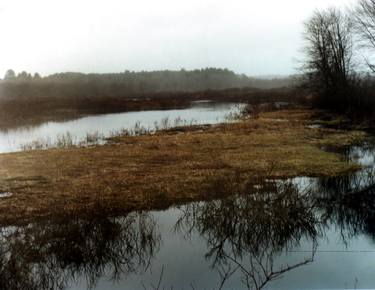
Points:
(72, 84)
(339, 43)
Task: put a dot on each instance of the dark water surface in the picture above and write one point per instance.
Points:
(304, 233)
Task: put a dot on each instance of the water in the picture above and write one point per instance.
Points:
(304, 233)
(197, 113)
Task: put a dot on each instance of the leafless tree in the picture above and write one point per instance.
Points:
(364, 23)
(329, 55)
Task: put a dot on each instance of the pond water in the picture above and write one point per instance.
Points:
(201, 112)
(303, 233)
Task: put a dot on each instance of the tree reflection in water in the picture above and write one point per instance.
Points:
(348, 203)
(52, 254)
(247, 231)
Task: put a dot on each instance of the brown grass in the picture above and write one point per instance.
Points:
(167, 168)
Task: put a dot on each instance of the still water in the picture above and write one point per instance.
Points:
(303, 233)
(200, 112)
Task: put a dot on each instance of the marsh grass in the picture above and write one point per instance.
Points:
(68, 140)
(93, 138)
(62, 141)
(253, 110)
(170, 167)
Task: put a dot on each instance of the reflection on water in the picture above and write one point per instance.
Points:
(244, 233)
(294, 234)
(53, 254)
(50, 132)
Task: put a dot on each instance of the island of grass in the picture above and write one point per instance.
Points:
(170, 167)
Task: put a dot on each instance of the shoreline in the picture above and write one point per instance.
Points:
(170, 167)
(18, 112)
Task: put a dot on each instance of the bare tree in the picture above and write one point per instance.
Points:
(329, 51)
(364, 22)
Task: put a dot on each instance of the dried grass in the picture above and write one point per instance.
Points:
(169, 167)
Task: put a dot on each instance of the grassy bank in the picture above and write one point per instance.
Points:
(156, 171)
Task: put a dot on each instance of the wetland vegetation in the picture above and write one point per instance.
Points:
(195, 179)
(169, 167)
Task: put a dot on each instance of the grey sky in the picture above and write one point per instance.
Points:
(248, 36)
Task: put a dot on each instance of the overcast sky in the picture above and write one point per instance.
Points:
(255, 37)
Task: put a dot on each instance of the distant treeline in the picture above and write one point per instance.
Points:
(128, 83)
(19, 111)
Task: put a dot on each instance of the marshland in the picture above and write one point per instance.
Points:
(240, 157)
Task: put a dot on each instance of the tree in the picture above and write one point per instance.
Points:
(329, 50)
(364, 21)
(37, 76)
(24, 76)
(10, 75)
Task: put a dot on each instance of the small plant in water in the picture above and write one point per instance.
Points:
(165, 123)
(64, 140)
(39, 144)
(93, 138)
(240, 111)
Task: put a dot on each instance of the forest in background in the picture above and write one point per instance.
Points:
(27, 99)
(128, 84)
